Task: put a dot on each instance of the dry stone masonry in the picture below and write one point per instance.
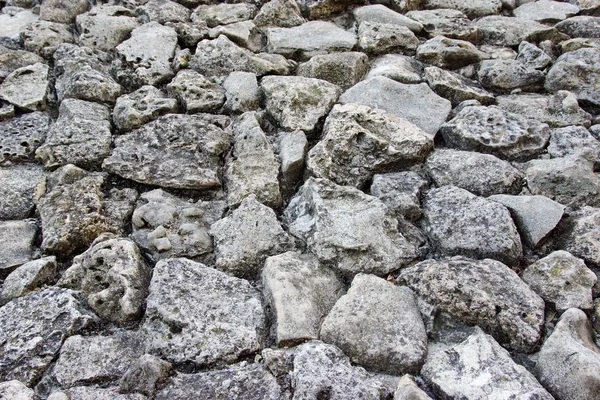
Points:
(299, 199)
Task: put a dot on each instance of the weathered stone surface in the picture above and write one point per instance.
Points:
(325, 9)
(596, 316)
(360, 324)
(473, 8)
(379, 14)
(545, 11)
(223, 14)
(569, 359)
(15, 390)
(163, 152)
(27, 87)
(163, 11)
(28, 277)
(309, 39)
(579, 72)
(144, 105)
(455, 87)
(18, 239)
(105, 27)
(586, 6)
(492, 130)
(378, 38)
(200, 315)
(297, 103)
(478, 368)
(254, 169)
(347, 229)
(406, 101)
(407, 389)
(166, 226)
(342, 69)
(582, 239)
(44, 37)
(292, 150)
(583, 26)
(301, 293)
(145, 375)
(244, 33)
(485, 293)
(195, 92)
(400, 192)
(460, 223)
(11, 60)
(93, 393)
(280, 13)
(449, 53)
(189, 34)
(29, 338)
(507, 75)
(21, 136)
(508, 31)
(241, 92)
(81, 135)
(62, 11)
(17, 188)
(532, 56)
(359, 141)
(403, 69)
(535, 216)
(571, 140)
(567, 46)
(446, 22)
(12, 22)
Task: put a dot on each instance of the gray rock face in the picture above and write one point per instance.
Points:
(93, 393)
(280, 13)
(406, 101)
(478, 368)
(579, 72)
(403, 69)
(454, 167)
(460, 223)
(583, 26)
(13, 22)
(506, 75)
(245, 34)
(301, 293)
(166, 226)
(485, 293)
(44, 37)
(347, 229)
(163, 11)
(379, 38)
(163, 152)
(572, 140)
(81, 135)
(297, 103)
(583, 237)
(200, 315)
(15, 390)
(27, 87)
(145, 375)
(569, 358)
(360, 325)
(379, 14)
(244, 239)
(11, 60)
(223, 14)
(17, 188)
(567, 46)
(292, 150)
(449, 53)
(474, 8)
(29, 338)
(63, 12)
(341, 69)
(492, 130)
(456, 88)
(144, 105)
(309, 39)
(400, 192)
(508, 31)
(359, 141)
(532, 56)
(545, 11)
(446, 22)
(407, 389)
(17, 238)
(28, 277)
(241, 92)
(105, 27)
(189, 34)
(563, 280)
(30, 129)
(195, 92)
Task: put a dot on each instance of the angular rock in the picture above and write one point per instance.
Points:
(11, 60)
(17, 188)
(196, 314)
(407, 389)
(460, 223)
(376, 38)
(28, 277)
(309, 39)
(406, 101)
(360, 325)
(455, 87)
(241, 92)
(567, 46)
(144, 105)
(18, 240)
(292, 151)
(545, 11)
(569, 359)
(359, 141)
(400, 192)
(245, 34)
(379, 14)
(347, 229)
(15, 390)
(454, 167)
(579, 72)
(492, 130)
(29, 338)
(177, 151)
(583, 26)
(508, 31)
(301, 293)
(582, 238)
(11, 23)
(279, 13)
(403, 69)
(478, 367)
(507, 75)
(21, 136)
(27, 87)
(535, 216)
(61, 11)
(145, 375)
(195, 92)
(189, 34)
(298, 103)
(448, 53)
(93, 393)
(44, 37)
(473, 8)
(532, 56)
(255, 169)
(81, 135)
(105, 27)
(341, 69)
(485, 293)
(450, 23)
(223, 14)
(572, 140)
(163, 11)
(325, 9)
(586, 6)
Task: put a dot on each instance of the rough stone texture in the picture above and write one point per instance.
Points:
(199, 315)
(359, 141)
(27, 278)
(81, 135)
(545, 11)
(473, 8)
(403, 69)
(309, 39)
(579, 72)
(27, 87)
(223, 14)
(11, 23)
(292, 150)
(455, 167)
(379, 14)
(241, 92)
(583, 26)
(297, 103)
(449, 53)
(492, 130)
(360, 324)
(105, 27)
(62, 11)
(582, 240)
(533, 57)
(145, 375)
(446, 22)
(535, 216)
(142, 106)
(569, 359)
(379, 38)
(341, 69)
(29, 338)
(508, 31)
(479, 368)
(189, 34)
(400, 192)
(166, 226)
(245, 34)
(15, 390)
(572, 140)
(93, 393)
(279, 13)
(347, 229)
(163, 11)
(567, 46)
(44, 37)
(17, 188)
(301, 293)
(18, 239)
(21, 136)
(11, 60)
(163, 152)
(507, 75)
(407, 389)
(455, 87)
(195, 92)
(406, 101)
(459, 223)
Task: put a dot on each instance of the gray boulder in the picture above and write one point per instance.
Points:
(244, 33)
(449, 53)
(195, 92)
(400, 192)
(163, 11)
(13, 20)
(583, 26)
(93, 393)
(198, 315)
(360, 324)
(145, 375)
(485, 293)
(459, 223)
(11, 60)
(18, 243)
(28, 277)
(347, 229)
(27, 87)
(473, 8)
(586, 6)
(104, 27)
(499, 30)
(579, 72)
(241, 92)
(359, 141)
(403, 69)
(223, 14)
(407, 389)
(292, 151)
(142, 106)
(406, 101)
(581, 239)
(164, 152)
(446, 22)
(341, 69)
(545, 11)
(532, 56)
(63, 12)
(189, 34)
(380, 14)
(572, 140)
(379, 38)
(17, 188)
(567, 46)
(44, 37)
(15, 390)
(279, 13)
(507, 75)
(455, 87)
